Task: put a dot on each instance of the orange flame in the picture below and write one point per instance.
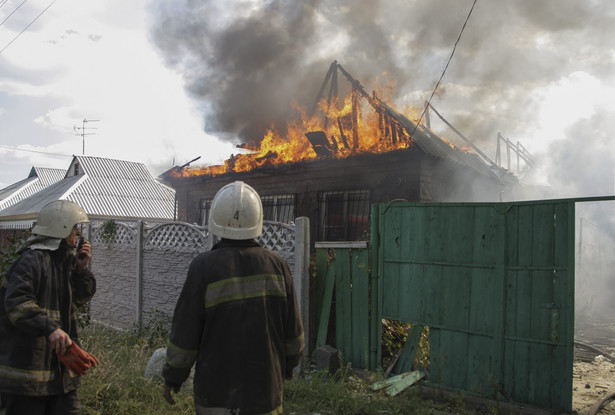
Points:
(375, 136)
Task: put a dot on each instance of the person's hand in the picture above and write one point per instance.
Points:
(166, 392)
(84, 255)
(59, 340)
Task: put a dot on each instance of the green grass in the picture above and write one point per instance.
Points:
(118, 386)
(347, 394)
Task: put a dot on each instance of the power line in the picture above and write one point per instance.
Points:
(26, 28)
(16, 8)
(34, 151)
(445, 68)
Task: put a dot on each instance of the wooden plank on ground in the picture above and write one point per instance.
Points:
(396, 384)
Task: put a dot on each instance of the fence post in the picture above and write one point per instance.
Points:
(211, 239)
(89, 238)
(302, 274)
(139, 281)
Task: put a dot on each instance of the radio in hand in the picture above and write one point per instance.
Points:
(80, 255)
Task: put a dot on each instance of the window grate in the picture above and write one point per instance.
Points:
(204, 209)
(279, 208)
(344, 215)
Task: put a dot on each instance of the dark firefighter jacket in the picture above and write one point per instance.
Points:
(237, 317)
(40, 294)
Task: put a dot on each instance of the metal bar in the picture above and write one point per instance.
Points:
(463, 137)
(439, 263)
(444, 328)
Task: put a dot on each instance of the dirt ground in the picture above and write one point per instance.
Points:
(591, 382)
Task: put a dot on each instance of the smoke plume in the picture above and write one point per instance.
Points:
(247, 62)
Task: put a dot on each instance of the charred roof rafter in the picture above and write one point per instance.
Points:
(393, 126)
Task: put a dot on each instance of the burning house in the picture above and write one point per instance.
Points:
(341, 157)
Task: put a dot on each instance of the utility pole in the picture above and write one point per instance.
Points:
(82, 132)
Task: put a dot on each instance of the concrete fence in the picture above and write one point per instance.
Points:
(140, 269)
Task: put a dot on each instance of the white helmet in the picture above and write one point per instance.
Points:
(57, 219)
(236, 212)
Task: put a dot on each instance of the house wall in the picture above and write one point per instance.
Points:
(408, 174)
(388, 176)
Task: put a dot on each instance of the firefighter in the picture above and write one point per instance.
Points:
(39, 295)
(237, 316)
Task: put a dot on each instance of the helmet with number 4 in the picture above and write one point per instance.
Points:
(57, 219)
(236, 212)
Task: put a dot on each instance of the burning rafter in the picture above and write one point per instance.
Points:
(342, 133)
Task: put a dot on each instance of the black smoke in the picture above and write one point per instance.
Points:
(248, 62)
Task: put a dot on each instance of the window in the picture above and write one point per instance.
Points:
(280, 208)
(344, 215)
(204, 209)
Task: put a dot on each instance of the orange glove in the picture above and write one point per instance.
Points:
(77, 360)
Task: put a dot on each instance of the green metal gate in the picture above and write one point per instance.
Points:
(495, 285)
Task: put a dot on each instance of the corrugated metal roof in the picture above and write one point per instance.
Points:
(48, 175)
(105, 188)
(38, 179)
(30, 206)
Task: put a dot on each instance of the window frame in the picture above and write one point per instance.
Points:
(283, 207)
(348, 226)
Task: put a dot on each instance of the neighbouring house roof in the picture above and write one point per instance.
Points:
(105, 188)
(38, 179)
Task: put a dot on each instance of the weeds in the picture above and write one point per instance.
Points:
(346, 393)
(118, 386)
(8, 255)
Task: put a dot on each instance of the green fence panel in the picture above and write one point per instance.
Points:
(539, 304)
(495, 284)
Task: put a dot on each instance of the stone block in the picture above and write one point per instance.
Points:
(327, 357)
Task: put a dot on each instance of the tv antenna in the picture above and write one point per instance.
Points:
(82, 131)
